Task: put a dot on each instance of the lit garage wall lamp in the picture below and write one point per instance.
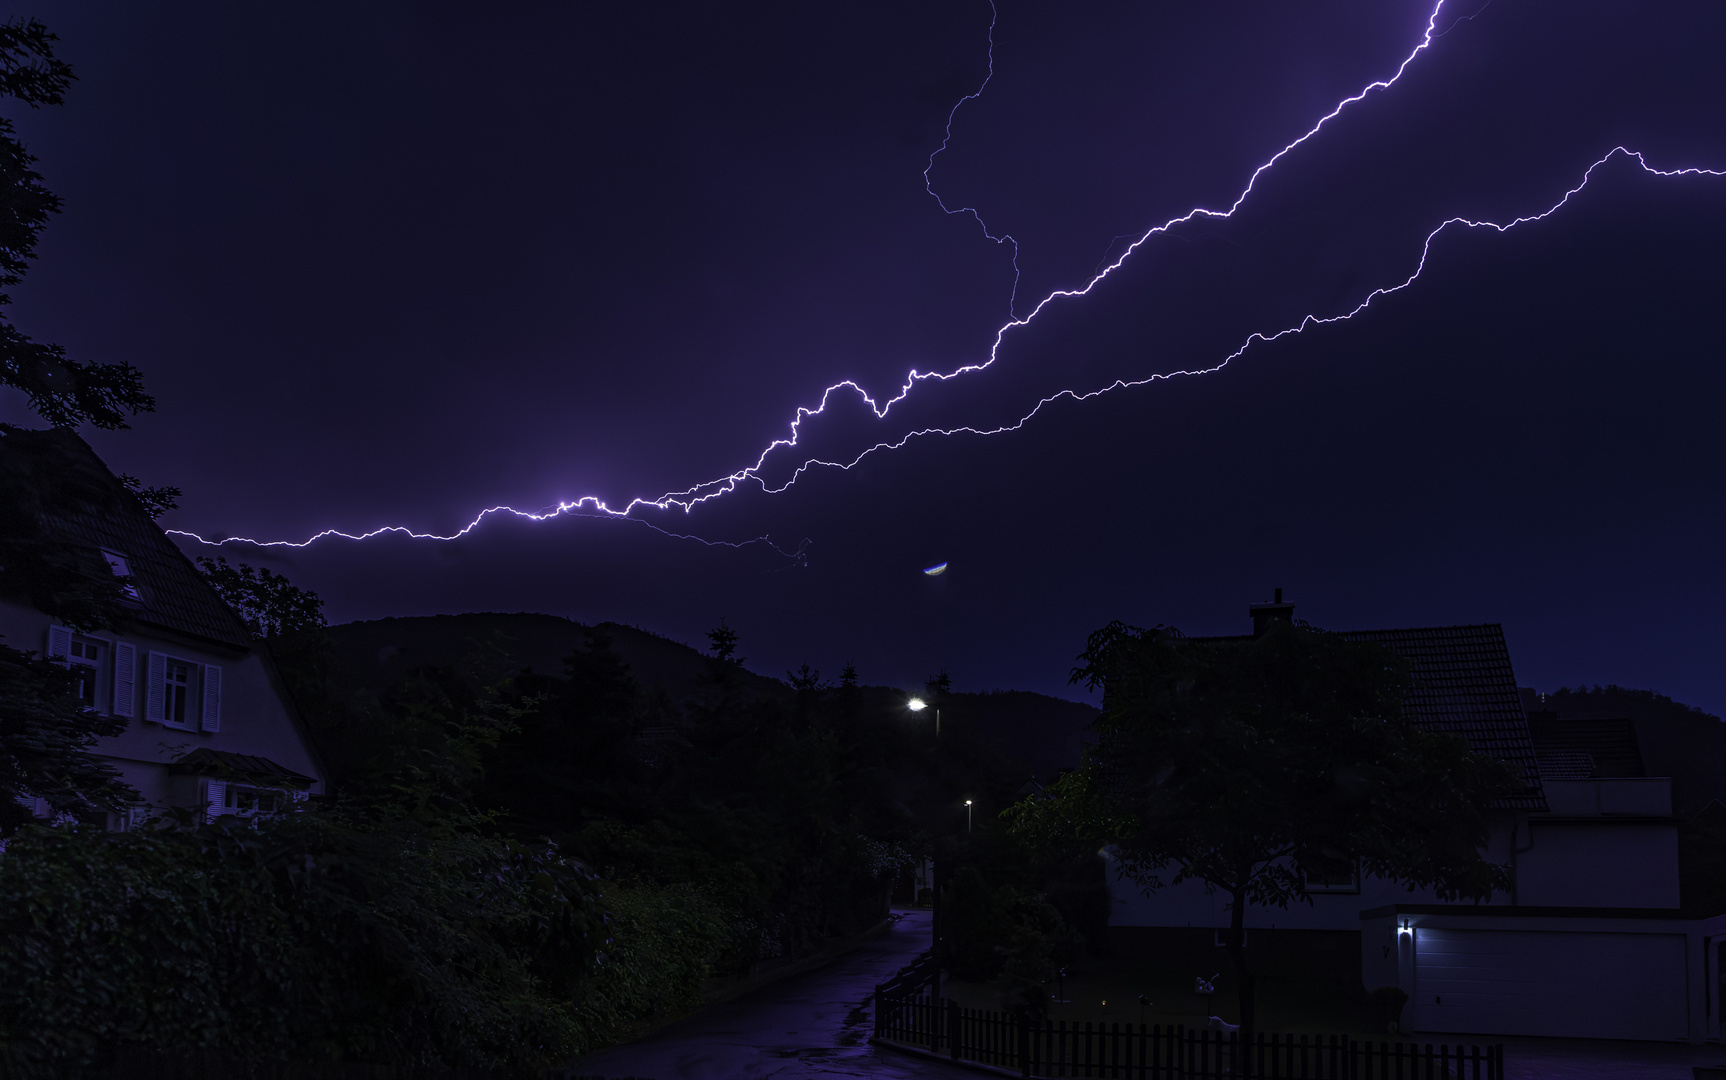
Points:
(1405, 929)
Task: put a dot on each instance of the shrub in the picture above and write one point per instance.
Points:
(317, 937)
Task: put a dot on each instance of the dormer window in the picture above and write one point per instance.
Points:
(122, 569)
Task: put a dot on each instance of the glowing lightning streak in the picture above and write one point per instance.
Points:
(689, 498)
(1257, 337)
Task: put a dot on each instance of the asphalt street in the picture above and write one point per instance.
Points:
(811, 1025)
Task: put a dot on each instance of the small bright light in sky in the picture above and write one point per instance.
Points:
(937, 569)
(916, 704)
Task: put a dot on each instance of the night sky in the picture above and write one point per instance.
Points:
(391, 264)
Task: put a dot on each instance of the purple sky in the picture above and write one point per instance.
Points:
(391, 264)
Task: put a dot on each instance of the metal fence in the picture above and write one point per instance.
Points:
(1059, 1049)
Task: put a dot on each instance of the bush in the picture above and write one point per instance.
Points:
(318, 937)
(665, 940)
(1385, 1003)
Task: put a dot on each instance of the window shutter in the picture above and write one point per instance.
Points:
(212, 698)
(216, 798)
(60, 644)
(156, 696)
(125, 674)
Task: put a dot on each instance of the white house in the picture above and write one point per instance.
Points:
(211, 724)
(1589, 941)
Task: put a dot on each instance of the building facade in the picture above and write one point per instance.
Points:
(209, 724)
(1589, 941)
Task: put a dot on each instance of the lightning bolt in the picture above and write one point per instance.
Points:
(688, 499)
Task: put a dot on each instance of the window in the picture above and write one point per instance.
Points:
(178, 690)
(122, 568)
(102, 671)
(251, 800)
(85, 662)
(1332, 876)
(247, 800)
(184, 694)
(128, 818)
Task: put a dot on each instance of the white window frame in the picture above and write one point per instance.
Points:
(203, 685)
(97, 666)
(116, 670)
(222, 798)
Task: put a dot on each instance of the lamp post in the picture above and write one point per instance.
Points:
(917, 704)
(967, 815)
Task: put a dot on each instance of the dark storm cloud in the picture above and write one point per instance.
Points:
(395, 265)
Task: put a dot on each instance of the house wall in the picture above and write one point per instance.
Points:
(255, 718)
(1189, 904)
(1599, 862)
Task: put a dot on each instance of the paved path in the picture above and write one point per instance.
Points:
(812, 1025)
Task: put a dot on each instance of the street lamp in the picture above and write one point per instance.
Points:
(967, 815)
(917, 704)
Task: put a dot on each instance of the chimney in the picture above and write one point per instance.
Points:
(1265, 614)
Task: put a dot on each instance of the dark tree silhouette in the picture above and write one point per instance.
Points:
(723, 639)
(62, 391)
(46, 733)
(1247, 764)
(266, 602)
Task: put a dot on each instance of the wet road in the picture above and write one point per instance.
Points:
(816, 1024)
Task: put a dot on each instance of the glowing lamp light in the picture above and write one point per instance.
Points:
(937, 570)
(1405, 930)
(916, 704)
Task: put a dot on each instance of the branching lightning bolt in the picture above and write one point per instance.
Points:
(690, 498)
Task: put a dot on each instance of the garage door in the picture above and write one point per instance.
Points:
(1511, 982)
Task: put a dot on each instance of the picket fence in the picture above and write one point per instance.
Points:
(1058, 1049)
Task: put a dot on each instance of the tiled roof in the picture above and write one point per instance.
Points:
(1464, 685)
(206, 762)
(172, 592)
(1610, 745)
(1564, 764)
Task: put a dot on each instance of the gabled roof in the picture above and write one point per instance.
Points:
(1609, 745)
(172, 594)
(1464, 685)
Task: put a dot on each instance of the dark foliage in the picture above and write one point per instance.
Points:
(316, 937)
(46, 735)
(62, 391)
(156, 501)
(266, 602)
(1247, 764)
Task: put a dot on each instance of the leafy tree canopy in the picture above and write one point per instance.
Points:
(62, 391)
(266, 602)
(1248, 765)
(46, 735)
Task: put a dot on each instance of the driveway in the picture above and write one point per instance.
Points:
(816, 1024)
